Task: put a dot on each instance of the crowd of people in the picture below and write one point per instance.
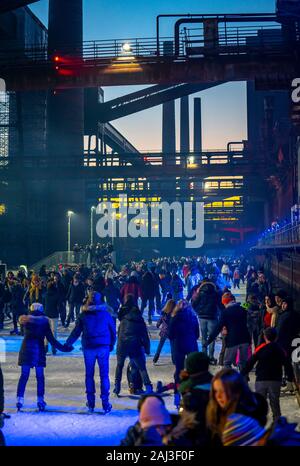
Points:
(192, 298)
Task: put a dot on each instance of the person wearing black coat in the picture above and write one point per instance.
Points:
(234, 318)
(62, 293)
(32, 352)
(269, 359)
(75, 297)
(16, 304)
(286, 327)
(149, 290)
(52, 308)
(206, 304)
(183, 335)
(98, 331)
(133, 342)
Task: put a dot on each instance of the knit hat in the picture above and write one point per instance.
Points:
(227, 298)
(195, 364)
(36, 307)
(240, 431)
(154, 413)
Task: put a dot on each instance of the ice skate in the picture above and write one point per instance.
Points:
(41, 404)
(19, 404)
(90, 408)
(107, 407)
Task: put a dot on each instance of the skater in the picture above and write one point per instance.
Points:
(163, 324)
(75, 297)
(32, 352)
(52, 308)
(269, 359)
(133, 342)
(98, 339)
(183, 334)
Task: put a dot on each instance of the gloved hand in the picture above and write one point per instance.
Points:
(67, 348)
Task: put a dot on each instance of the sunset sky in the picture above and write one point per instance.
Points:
(223, 107)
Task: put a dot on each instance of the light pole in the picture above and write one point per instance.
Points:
(69, 215)
(93, 209)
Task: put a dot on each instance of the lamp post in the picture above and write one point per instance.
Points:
(93, 209)
(69, 215)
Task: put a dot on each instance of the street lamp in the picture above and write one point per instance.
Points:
(69, 215)
(93, 209)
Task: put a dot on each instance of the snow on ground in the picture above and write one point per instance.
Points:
(66, 421)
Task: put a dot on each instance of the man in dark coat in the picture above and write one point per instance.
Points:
(206, 304)
(149, 289)
(234, 318)
(32, 352)
(16, 304)
(75, 297)
(62, 293)
(98, 331)
(133, 342)
(52, 308)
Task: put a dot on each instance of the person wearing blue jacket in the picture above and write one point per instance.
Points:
(98, 331)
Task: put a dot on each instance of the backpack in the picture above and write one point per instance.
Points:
(135, 382)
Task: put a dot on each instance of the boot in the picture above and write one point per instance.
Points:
(90, 407)
(117, 389)
(107, 407)
(41, 404)
(20, 402)
(148, 389)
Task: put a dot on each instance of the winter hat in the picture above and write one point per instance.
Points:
(240, 431)
(36, 307)
(196, 363)
(154, 413)
(227, 298)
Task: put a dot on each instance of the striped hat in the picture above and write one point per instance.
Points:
(240, 431)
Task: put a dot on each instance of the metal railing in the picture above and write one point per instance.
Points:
(288, 235)
(229, 40)
(185, 160)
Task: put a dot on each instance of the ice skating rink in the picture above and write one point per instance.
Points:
(66, 421)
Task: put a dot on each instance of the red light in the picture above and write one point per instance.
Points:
(56, 58)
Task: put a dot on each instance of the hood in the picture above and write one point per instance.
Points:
(134, 315)
(95, 308)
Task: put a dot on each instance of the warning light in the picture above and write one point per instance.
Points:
(56, 58)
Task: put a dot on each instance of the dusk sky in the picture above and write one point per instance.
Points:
(223, 107)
